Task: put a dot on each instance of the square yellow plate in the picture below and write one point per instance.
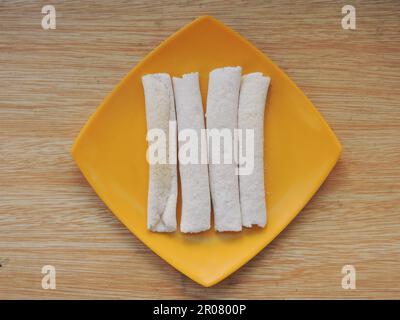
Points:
(300, 150)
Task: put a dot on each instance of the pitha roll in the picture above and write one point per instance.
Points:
(222, 115)
(196, 203)
(163, 185)
(253, 93)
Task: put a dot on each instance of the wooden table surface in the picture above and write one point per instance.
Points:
(51, 81)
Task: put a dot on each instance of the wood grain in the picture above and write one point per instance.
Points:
(51, 81)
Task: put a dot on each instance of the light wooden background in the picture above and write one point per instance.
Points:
(51, 81)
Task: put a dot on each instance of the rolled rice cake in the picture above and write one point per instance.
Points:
(196, 203)
(163, 187)
(222, 114)
(253, 93)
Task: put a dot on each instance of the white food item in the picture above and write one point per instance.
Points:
(222, 113)
(163, 185)
(253, 93)
(196, 203)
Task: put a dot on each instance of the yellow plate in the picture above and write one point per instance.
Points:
(300, 150)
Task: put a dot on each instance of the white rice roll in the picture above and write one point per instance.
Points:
(163, 186)
(196, 203)
(253, 93)
(222, 113)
